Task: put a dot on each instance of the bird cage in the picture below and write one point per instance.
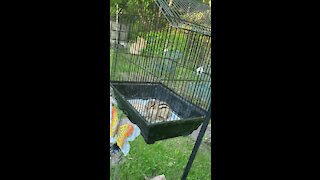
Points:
(162, 79)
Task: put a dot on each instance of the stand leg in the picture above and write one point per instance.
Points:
(197, 144)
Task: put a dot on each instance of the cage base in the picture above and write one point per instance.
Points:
(191, 115)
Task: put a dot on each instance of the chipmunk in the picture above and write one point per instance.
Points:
(157, 111)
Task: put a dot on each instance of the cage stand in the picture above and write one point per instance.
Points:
(197, 144)
(201, 133)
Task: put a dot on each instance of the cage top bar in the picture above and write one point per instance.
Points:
(179, 13)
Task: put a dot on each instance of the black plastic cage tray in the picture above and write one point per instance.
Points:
(191, 115)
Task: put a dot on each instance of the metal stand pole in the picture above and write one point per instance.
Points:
(197, 144)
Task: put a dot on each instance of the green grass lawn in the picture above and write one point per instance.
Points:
(168, 157)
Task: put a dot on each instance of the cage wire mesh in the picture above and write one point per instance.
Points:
(162, 72)
(187, 14)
